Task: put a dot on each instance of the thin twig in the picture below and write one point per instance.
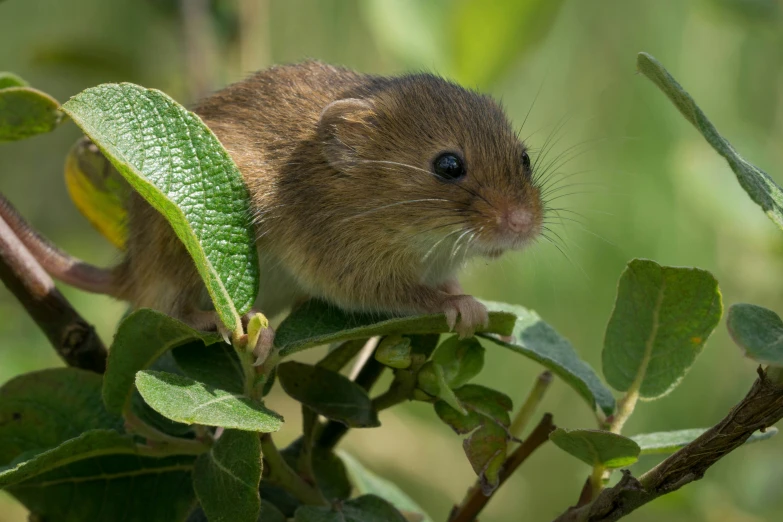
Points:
(531, 403)
(761, 408)
(71, 336)
(476, 500)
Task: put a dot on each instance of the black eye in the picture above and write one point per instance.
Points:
(449, 167)
(526, 161)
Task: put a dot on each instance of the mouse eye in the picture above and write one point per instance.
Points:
(449, 167)
(526, 161)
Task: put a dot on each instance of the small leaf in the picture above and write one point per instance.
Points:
(461, 360)
(367, 508)
(99, 192)
(394, 351)
(43, 409)
(328, 393)
(536, 340)
(316, 323)
(761, 188)
(459, 422)
(26, 112)
(487, 402)
(142, 337)
(597, 448)
(367, 482)
(664, 442)
(226, 478)
(178, 165)
(216, 365)
(184, 400)
(9, 79)
(758, 331)
(486, 451)
(661, 320)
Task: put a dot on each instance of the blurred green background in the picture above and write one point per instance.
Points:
(645, 185)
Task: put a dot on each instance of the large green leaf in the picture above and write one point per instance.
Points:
(175, 162)
(328, 393)
(368, 483)
(184, 400)
(758, 331)
(26, 112)
(367, 508)
(597, 448)
(141, 339)
(664, 442)
(761, 188)
(316, 323)
(41, 410)
(226, 478)
(661, 319)
(536, 340)
(216, 364)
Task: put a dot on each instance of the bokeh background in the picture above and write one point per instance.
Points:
(644, 184)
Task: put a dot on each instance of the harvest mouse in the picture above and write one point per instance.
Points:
(368, 192)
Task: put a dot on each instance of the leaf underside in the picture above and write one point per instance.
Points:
(597, 448)
(758, 331)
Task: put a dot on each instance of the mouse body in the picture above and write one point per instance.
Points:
(368, 192)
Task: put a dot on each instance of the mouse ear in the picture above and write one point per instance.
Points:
(343, 128)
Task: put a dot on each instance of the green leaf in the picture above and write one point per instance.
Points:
(367, 508)
(216, 364)
(536, 340)
(99, 192)
(661, 320)
(486, 451)
(184, 400)
(43, 409)
(366, 482)
(328, 393)
(597, 448)
(142, 337)
(316, 323)
(460, 359)
(758, 331)
(330, 475)
(226, 478)
(761, 188)
(664, 442)
(26, 112)
(178, 165)
(9, 79)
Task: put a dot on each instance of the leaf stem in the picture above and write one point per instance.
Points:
(531, 403)
(281, 474)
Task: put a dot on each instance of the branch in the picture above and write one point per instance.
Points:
(761, 408)
(476, 499)
(71, 336)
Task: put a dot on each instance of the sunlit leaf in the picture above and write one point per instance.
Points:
(26, 112)
(761, 188)
(99, 192)
(184, 400)
(177, 164)
(328, 393)
(226, 478)
(316, 323)
(536, 340)
(664, 442)
(662, 318)
(142, 337)
(758, 331)
(597, 448)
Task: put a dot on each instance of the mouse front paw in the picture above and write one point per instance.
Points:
(464, 314)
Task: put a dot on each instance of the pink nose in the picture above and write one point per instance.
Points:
(519, 220)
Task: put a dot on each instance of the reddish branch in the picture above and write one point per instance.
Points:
(476, 500)
(761, 408)
(73, 339)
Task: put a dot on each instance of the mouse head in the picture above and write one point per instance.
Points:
(440, 164)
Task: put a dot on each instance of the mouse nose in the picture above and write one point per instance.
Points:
(519, 220)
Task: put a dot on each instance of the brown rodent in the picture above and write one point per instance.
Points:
(368, 192)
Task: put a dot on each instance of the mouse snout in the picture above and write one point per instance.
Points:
(518, 220)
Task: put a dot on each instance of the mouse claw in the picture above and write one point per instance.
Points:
(472, 315)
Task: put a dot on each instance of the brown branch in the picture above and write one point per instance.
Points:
(761, 408)
(476, 500)
(72, 338)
